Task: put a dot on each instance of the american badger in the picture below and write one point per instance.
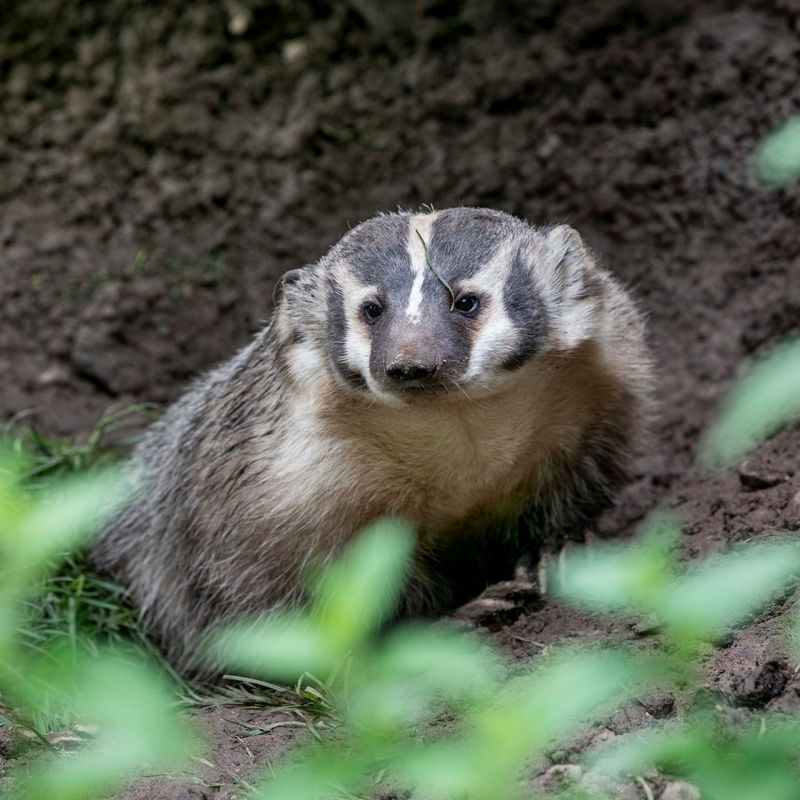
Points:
(484, 379)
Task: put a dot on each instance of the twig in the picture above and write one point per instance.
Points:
(648, 792)
(444, 283)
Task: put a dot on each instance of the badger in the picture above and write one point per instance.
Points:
(482, 378)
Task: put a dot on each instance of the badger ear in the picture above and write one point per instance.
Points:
(569, 283)
(566, 256)
(293, 275)
(295, 298)
(288, 281)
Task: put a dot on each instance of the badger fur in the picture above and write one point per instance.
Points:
(493, 419)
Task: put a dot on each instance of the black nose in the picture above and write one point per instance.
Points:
(410, 371)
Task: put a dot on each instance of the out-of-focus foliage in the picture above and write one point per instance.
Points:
(767, 397)
(123, 700)
(34, 530)
(390, 689)
(777, 160)
(530, 715)
(758, 762)
(482, 759)
(71, 604)
(129, 707)
(693, 605)
(350, 600)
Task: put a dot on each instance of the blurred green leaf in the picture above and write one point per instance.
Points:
(325, 775)
(13, 500)
(726, 589)
(64, 516)
(282, 646)
(36, 528)
(767, 397)
(570, 688)
(136, 728)
(446, 770)
(452, 664)
(356, 594)
(757, 763)
(123, 697)
(624, 576)
(351, 599)
(641, 578)
(777, 160)
(532, 713)
(669, 747)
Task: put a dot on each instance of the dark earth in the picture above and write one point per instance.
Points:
(161, 164)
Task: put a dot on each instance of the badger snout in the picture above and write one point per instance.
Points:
(407, 370)
(416, 360)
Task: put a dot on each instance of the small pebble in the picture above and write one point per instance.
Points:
(56, 375)
(754, 478)
(602, 738)
(294, 52)
(680, 790)
(660, 704)
(560, 776)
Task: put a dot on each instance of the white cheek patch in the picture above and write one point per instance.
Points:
(419, 225)
(358, 342)
(496, 338)
(497, 334)
(358, 348)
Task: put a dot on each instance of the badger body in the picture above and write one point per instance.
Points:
(481, 378)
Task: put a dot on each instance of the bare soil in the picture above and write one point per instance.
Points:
(161, 164)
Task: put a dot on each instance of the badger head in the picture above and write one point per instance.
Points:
(415, 307)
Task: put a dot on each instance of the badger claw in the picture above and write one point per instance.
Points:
(551, 564)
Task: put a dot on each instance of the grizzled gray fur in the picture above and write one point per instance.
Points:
(482, 378)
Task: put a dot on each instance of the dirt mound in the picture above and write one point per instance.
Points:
(162, 164)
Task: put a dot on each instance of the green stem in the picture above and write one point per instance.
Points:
(444, 283)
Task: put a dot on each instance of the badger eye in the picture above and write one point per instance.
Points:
(371, 311)
(468, 304)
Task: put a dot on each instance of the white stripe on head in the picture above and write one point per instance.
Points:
(419, 225)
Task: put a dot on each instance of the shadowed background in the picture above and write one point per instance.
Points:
(162, 163)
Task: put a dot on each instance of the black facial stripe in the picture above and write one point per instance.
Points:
(377, 253)
(464, 239)
(526, 312)
(471, 326)
(353, 377)
(337, 336)
(514, 360)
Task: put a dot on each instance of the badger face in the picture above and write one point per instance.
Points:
(436, 306)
